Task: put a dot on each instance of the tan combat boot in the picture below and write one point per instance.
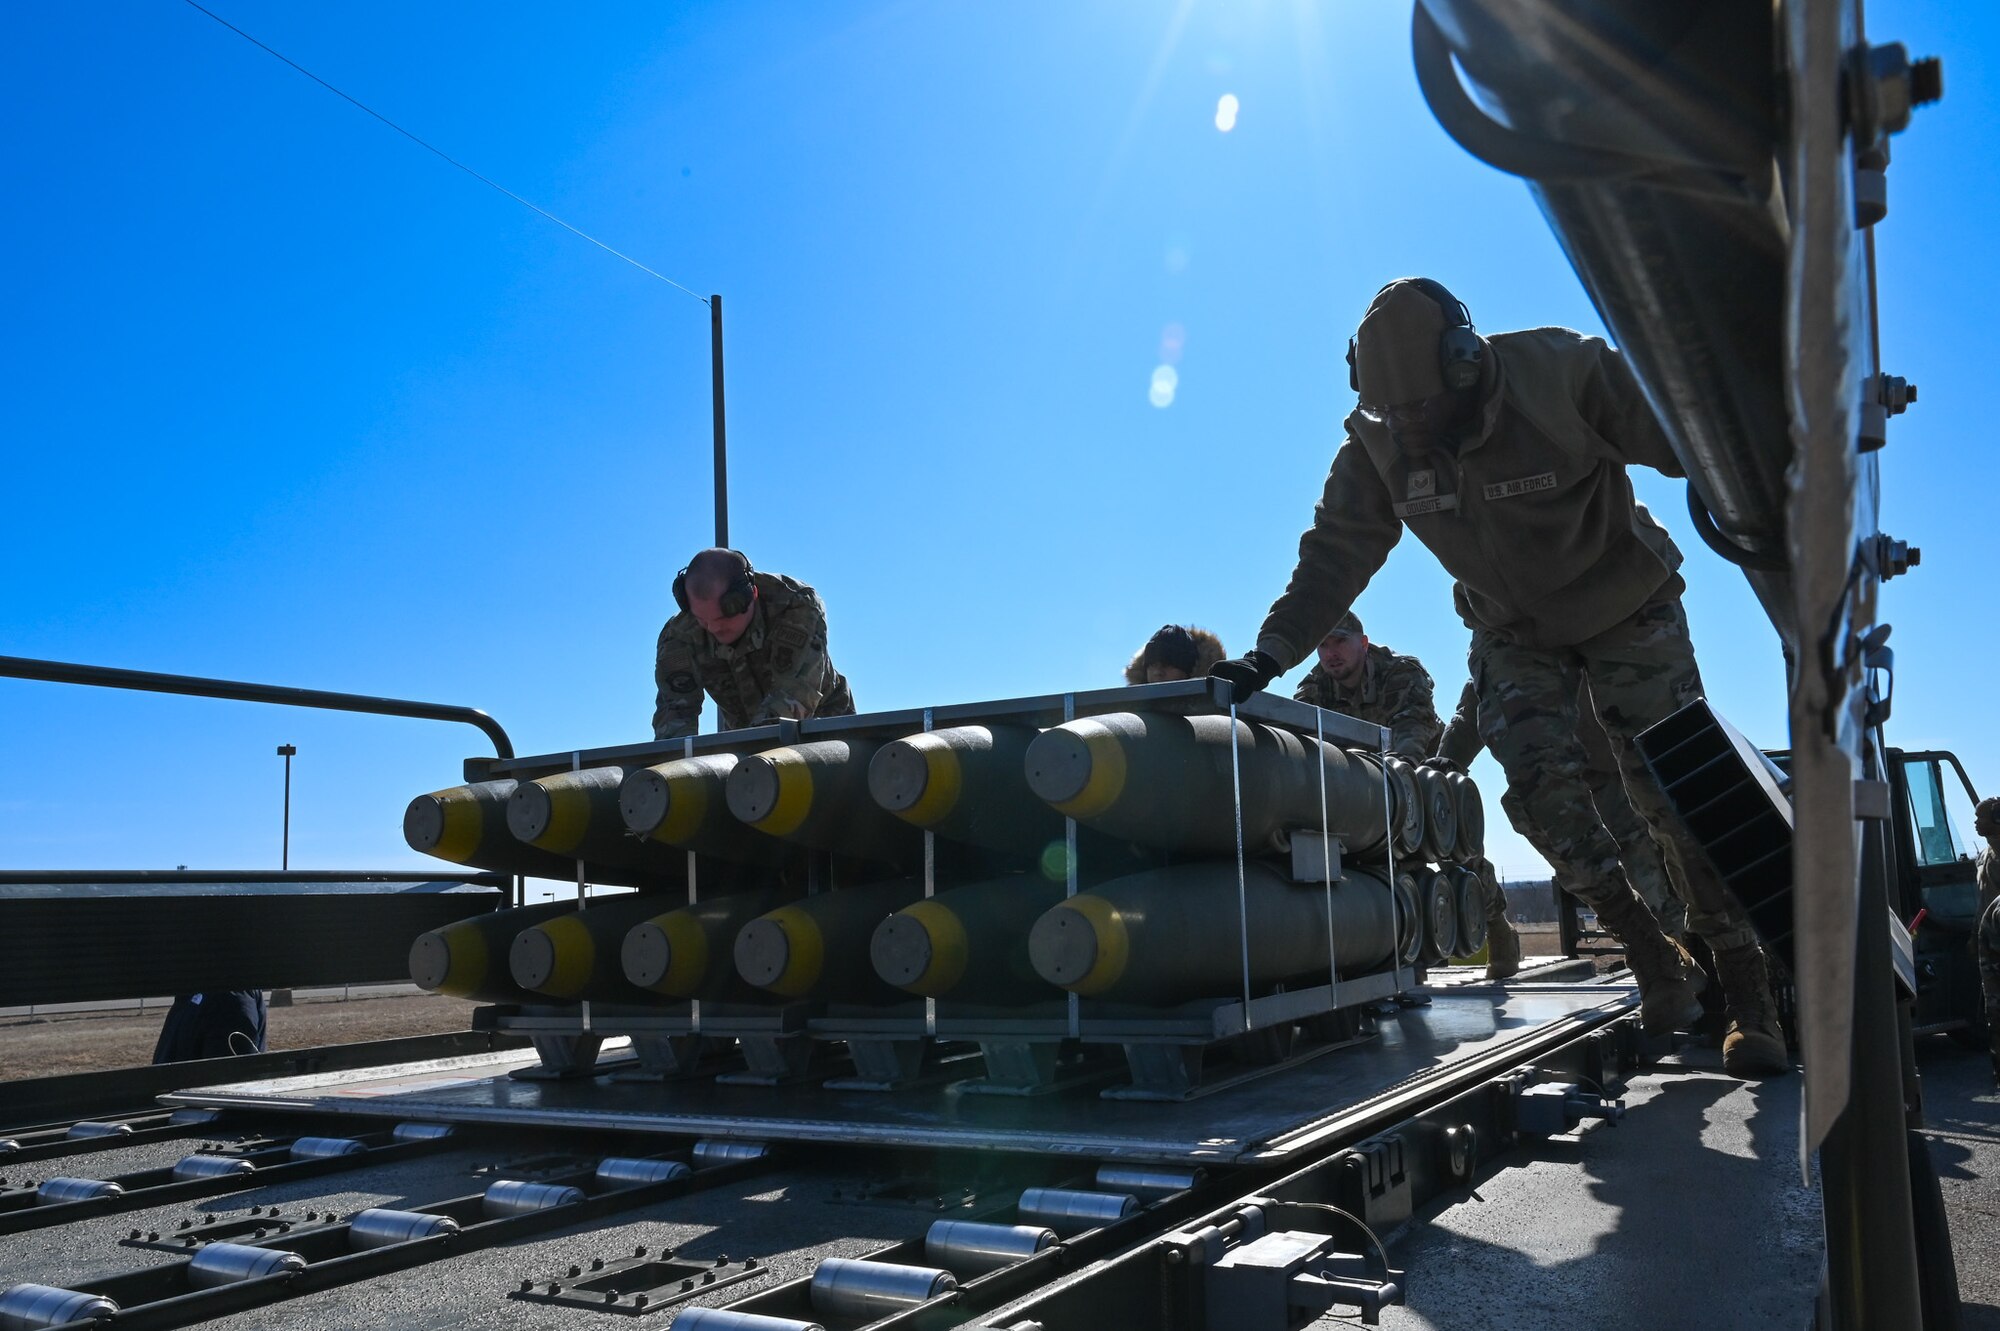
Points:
(1754, 1043)
(1670, 983)
(1503, 949)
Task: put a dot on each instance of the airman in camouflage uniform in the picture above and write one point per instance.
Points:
(1986, 821)
(1177, 651)
(1602, 786)
(1369, 682)
(761, 664)
(1507, 456)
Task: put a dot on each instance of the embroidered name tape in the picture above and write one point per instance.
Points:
(1416, 508)
(1524, 486)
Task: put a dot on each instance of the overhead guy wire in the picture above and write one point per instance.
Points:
(433, 148)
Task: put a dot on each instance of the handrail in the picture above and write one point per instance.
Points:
(195, 686)
(202, 877)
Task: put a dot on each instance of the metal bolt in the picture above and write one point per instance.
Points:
(527, 1285)
(641, 1300)
(1893, 558)
(575, 1271)
(611, 1296)
(750, 1264)
(722, 1261)
(1894, 392)
(153, 1236)
(639, 1251)
(597, 1263)
(708, 1277)
(187, 1224)
(686, 1285)
(1926, 81)
(554, 1288)
(134, 1234)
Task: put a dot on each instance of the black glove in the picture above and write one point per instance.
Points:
(1441, 763)
(1246, 675)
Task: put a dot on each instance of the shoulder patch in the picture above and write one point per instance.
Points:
(682, 681)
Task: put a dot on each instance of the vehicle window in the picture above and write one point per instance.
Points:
(1958, 810)
(1938, 842)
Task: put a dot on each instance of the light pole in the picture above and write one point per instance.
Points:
(286, 751)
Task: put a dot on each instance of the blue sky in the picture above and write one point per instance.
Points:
(288, 399)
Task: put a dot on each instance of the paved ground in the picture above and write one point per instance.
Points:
(1962, 1115)
(1689, 1214)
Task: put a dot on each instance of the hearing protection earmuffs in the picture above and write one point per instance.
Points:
(1461, 351)
(736, 596)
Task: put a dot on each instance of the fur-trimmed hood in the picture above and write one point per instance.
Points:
(1208, 650)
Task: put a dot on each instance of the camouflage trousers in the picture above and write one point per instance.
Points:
(1489, 884)
(1987, 943)
(1638, 672)
(1603, 788)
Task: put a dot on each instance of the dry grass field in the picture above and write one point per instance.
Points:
(49, 1045)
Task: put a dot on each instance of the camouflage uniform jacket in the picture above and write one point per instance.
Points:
(1531, 512)
(780, 662)
(1461, 742)
(1986, 947)
(1395, 691)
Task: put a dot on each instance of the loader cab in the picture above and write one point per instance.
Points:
(1937, 858)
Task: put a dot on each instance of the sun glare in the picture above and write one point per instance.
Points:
(1225, 112)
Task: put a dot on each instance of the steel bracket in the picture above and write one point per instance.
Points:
(635, 1285)
(562, 1056)
(1377, 1183)
(1552, 1108)
(1283, 1281)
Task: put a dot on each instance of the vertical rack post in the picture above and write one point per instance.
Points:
(1326, 865)
(582, 889)
(930, 890)
(1075, 1003)
(1389, 845)
(694, 896)
(1242, 886)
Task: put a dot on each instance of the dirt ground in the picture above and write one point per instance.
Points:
(46, 1046)
(1539, 940)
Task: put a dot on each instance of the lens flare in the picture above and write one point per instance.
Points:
(1225, 112)
(1166, 381)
